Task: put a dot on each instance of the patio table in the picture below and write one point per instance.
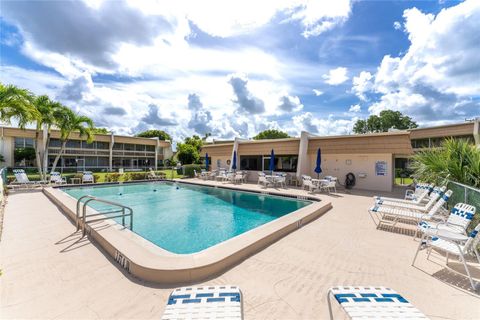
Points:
(273, 179)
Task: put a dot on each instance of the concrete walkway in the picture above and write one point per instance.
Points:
(48, 273)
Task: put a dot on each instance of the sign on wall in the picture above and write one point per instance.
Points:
(381, 168)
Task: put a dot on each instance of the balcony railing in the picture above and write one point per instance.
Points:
(102, 152)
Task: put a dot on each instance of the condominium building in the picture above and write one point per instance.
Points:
(372, 158)
(107, 151)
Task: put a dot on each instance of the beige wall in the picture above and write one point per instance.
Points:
(336, 165)
(281, 147)
(460, 129)
(6, 149)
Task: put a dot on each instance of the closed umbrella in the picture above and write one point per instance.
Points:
(234, 162)
(206, 161)
(272, 162)
(318, 168)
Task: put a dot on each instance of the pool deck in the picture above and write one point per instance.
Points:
(48, 272)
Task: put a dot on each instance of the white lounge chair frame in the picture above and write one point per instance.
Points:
(434, 196)
(21, 179)
(372, 303)
(209, 302)
(397, 214)
(452, 247)
(421, 193)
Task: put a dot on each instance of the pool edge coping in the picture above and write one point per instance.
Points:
(147, 261)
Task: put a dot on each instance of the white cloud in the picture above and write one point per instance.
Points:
(438, 77)
(322, 126)
(397, 25)
(362, 84)
(355, 108)
(336, 76)
(317, 92)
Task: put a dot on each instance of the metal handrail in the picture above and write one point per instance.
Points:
(93, 198)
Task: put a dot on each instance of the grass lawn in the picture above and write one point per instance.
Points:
(403, 181)
(99, 176)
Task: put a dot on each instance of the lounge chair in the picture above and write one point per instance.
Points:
(21, 179)
(409, 214)
(373, 303)
(56, 178)
(453, 245)
(421, 193)
(458, 221)
(152, 175)
(87, 177)
(434, 196)
(209, 302)
(411, 194)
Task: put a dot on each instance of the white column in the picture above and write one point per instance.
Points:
(476, 132)
(110, 156)
(302, 164)
(156, 153)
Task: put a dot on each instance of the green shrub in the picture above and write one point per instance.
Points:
(136, 176)
(112, 177)
(188, 169)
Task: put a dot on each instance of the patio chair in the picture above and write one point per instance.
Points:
(308, 183)
(373, 303)
(87, 177)
(331, 185)
(209, 302)
(222, 175)
(21, 179)
(262, 179)
(434, 196)
(452, 247)
(409, 214)
(410, 194)
(421, 194)
(152, 175)
(56, 178)
(238, 178)
(195, 174)
(281, 179)
(458, 221)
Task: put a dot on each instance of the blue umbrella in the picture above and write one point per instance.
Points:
(234, 162)
(272, 162)
(318, 168)
(206, 161)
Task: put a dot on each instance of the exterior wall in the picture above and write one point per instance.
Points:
(337, 165)
(6, 149)
(280, 146)
(461, 129)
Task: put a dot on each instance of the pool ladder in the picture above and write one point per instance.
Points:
(81, 220)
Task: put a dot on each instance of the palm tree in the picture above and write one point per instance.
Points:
(16, 103)
(47, 110)
(68, 121)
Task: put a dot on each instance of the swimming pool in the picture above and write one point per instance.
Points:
(184, 218)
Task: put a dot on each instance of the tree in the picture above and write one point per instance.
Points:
(68, 122)
(162, 135)
(16, 103)
(187, 153)
(386, 120)
(195, 141)
(27, 154)
(47, 111)
(100, 131)
(271, 134)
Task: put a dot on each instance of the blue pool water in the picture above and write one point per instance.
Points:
(184, 218)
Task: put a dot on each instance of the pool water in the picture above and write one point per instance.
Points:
(184, 218)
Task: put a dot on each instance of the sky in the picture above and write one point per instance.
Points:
(235, 68)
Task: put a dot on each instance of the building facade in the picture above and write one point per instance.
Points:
(372, 158)
(107, 152)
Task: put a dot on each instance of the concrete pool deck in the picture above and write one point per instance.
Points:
(49, 273)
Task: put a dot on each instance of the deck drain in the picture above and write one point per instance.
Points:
(122, 261)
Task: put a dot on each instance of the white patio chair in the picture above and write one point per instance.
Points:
(222, 175)
(308, 183)
(87, 177)
(434, 196)
(408, 214)
(281, 179)
(410, 194)
(152, 175)
(209, 302)
(458, 221)
(56, 178)
(238, 178)
(372, 303)
(452, 247)
(262, 179)
(329, 186)
(421, 194)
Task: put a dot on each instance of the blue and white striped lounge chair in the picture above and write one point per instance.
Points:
(421, 193)
(373, 303)
(434, 196)
(21, 179)
(56, 178)
(87, 177)
(456, 248)
(209, 302)
(409, 214)
(458, 221)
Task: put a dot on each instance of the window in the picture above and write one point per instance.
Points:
(251, 163)
(102, 145)
(282, 163)
(24, 143)
(55, 143)
(103, 162)
(150, 148)
(129, 147)
(74, 144)
(118, 146)
(90, 161)
(139, 147)
(86, 145)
